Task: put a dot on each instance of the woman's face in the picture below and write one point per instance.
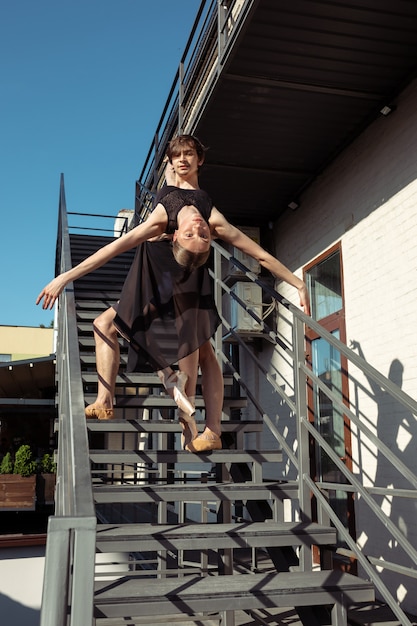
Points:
(193, 232)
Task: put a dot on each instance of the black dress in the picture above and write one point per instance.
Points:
(164, 312)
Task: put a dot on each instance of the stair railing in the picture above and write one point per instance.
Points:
(67, 598)
(71, 533)
(307, 431)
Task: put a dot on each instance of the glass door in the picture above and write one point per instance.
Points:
(329, 421)
(325, 283)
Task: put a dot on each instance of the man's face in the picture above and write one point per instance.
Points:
(185, 161)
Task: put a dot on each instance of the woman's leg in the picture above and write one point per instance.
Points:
(212, 387)
(107, 362)
(189, 365)
(213, 394)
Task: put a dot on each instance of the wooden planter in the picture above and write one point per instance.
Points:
(45, 488)
(17, 492)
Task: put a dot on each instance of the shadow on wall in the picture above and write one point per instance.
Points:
(396, 427)
(18, 614)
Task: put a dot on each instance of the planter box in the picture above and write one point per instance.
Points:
(17, 492)
(45, 488)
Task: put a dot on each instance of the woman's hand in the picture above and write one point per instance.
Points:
(304, 298)
(50, 293)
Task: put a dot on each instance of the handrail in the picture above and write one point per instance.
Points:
(71, 533)
(307, 431)
(67, 598)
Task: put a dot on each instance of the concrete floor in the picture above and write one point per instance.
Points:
(21, 580)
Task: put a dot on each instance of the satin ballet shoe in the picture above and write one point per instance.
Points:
(98, 412)
(175, 386)
(189, 428)
(205, 443)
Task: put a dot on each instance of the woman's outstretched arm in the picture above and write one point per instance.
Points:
(152, 227)
(222, 229)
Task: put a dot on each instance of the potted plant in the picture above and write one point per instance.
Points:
(18, 480)
(6, 466)
(45, 484)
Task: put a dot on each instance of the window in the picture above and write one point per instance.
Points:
(325, 287)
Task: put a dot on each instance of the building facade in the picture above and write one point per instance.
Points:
(18, 343)
(363, 210)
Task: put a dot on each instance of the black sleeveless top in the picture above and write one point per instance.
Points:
(174, 199)
(165, 312)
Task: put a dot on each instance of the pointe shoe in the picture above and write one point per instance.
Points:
(176, 382)
(189, 428)
(98, 412)
(205, 443)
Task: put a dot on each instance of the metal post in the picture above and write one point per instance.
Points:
(55, 582)
(155, 174)
(83, 567)
(300, 383)
(218, 340)
(221, 36)
(180, 97)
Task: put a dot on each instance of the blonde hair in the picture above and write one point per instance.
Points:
(189, 260)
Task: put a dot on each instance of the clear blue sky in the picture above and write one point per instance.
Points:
(82, 87)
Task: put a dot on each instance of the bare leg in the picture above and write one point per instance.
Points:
(213, 393)
(189, 365)
(213, 387)
(108, 360)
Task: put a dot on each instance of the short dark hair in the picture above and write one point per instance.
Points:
(176, 144)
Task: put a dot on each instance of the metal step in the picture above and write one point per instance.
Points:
(89, 359)
(128, 597)
(87, 305)
(194, 492)
(88, 315)
(137, 378)
(167, 426)
(148, 537)
(132, 457)
(88, 342)
(163, 402)
(109, 294)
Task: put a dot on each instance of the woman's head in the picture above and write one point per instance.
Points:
(192, 238)
(187, 259)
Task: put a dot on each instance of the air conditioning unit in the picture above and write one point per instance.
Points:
(240, 320)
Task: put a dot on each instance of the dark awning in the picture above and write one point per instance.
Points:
(28, 384)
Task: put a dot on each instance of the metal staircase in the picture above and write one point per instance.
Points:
(146, 533)
(144, 486)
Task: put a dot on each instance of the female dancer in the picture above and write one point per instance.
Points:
(158, 295)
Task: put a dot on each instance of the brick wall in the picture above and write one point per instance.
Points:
(367, 200)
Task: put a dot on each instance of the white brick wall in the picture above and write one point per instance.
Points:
(367, 200)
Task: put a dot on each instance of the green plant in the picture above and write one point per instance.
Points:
(24, 464)
(6, 466)
(47, 464)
